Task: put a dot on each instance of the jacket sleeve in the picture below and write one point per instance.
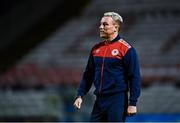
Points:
(133, 75)
(87, 78)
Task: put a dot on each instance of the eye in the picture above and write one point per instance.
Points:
(105, 24)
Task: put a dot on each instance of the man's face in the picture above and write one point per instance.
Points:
(107, 27)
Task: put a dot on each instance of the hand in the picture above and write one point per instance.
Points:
(77, 102)
(132, 110)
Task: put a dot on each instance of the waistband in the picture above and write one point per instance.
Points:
(111, 94)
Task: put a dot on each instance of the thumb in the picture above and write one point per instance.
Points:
(79, 104)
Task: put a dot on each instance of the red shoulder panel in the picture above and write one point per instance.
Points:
(111, 50)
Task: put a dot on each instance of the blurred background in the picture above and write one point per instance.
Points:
(44, 46)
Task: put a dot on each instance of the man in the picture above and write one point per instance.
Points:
(113, 67)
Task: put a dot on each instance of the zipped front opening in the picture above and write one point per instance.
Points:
(102, 71)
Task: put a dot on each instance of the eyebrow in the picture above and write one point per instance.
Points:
(103, 23)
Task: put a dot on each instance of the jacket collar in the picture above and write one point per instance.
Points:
(118, 37)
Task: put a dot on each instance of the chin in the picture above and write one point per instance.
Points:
(103, 36)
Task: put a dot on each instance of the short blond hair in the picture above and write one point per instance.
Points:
(115, 16)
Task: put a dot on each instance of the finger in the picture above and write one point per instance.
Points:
(131, 114)
(79, 105)
(76, 104)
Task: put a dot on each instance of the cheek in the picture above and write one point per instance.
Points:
(110, 30)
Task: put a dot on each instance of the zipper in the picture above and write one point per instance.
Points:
(102, 71)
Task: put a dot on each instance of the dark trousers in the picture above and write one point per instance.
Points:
(110, 108)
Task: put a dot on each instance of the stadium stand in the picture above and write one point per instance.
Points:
(57, 63)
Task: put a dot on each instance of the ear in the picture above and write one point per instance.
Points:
(116, 26)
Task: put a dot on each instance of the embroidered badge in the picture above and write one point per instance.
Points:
(115, 52)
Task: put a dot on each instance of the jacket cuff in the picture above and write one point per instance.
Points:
(78, 97)
(132, 103)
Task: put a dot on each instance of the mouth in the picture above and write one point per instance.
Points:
(102, 32)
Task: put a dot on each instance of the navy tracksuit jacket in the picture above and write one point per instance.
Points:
(113, 67)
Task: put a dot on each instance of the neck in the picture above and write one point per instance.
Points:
(111, 37)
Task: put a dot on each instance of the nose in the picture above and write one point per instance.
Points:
(101, 27)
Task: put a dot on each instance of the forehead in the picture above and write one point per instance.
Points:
(107, 19)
